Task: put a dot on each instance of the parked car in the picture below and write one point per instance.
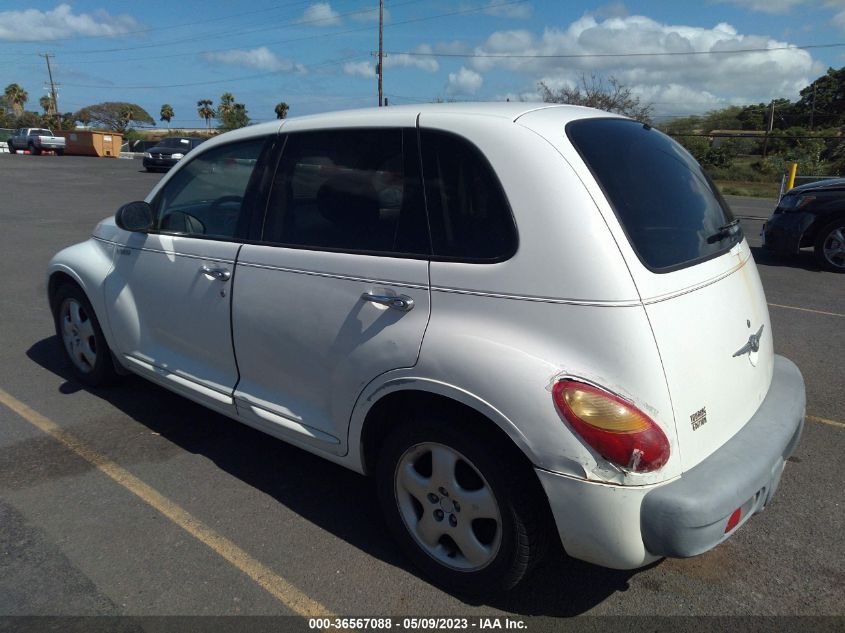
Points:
(36, 140)
(810, 215)
(491, 309)
(169, 151)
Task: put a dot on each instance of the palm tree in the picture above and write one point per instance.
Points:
(205, 110)
(167, 113)
(17, 97)
(281, 110)
(226, 106)
(46, 103)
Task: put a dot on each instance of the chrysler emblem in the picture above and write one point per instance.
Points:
(753, 344)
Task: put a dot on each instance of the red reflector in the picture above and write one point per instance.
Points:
(734, 520)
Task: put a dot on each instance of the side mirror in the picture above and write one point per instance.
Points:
(135, 217)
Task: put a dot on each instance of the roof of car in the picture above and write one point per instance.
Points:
(506, 110)
(827, 183)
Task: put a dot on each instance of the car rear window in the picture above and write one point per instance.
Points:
(669, 208)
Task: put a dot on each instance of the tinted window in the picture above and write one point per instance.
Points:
(468, 213)
(206, 197)
(670, 209)
(184, 143)
(352, 190)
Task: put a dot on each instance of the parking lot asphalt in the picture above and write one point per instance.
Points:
(134, 501)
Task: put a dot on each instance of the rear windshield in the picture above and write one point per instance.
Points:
(670, 209)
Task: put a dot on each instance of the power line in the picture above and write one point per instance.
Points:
(594, 55)
(215, 81)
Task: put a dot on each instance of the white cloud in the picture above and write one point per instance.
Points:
(360, 69)
(452, 48)
(427, 64)
(839, 18)
(32, 25)
(752, 77)
(320, 14)
(465, 82)
(261, 58)
(768, 6)
(507, 9)
(369, 15)
(398, 60)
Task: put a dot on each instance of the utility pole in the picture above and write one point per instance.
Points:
(53, 94)
(769, 129)
(380, 51)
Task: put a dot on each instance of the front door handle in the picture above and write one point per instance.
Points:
(220, 274)
(403, 303)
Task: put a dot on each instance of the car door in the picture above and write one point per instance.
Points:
(168, 296)
(336, 292)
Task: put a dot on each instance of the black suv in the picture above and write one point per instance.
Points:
(811, 215)
(168, 152)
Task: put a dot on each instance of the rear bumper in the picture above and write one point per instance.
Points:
(625, 527)
(689, 515)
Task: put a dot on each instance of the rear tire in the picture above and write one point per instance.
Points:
(464, 508)
(60, 152)
(12, 149)
(82, 339)
(830, 246)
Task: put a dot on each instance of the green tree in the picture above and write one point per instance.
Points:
(822, 103)
(17, 97)
(226, 105)
(605, 94)
(231, 114)
(166, 113)
(236, 117)
(281, 110)
(46, 104)
(205, 110)
(114, 115)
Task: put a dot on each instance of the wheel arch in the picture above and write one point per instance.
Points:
(376, 414)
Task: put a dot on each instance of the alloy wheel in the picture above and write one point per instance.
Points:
(78, 335)
(448, 506)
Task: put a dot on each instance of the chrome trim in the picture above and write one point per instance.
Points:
(630, 303)
(403, 303)
(299, 271)
(220, 274)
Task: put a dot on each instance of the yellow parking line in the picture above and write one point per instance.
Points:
(815, 418)
(274, 584)
(777, 305)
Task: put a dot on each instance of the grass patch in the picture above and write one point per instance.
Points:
(751, 189)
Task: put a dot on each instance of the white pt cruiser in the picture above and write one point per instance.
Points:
(520, 319)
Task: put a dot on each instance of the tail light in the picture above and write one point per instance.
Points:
(616, 429)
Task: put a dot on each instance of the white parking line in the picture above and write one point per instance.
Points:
(778, 305)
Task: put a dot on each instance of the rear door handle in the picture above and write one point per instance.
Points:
(220, 274)
(403, 303)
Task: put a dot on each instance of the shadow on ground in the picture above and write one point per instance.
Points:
(804, 260)
(559, 587)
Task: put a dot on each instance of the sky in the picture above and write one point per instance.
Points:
(683, 57)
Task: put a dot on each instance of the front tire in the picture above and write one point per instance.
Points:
(82, 339)
(464, 508)
(34, 150)
(60, 152)
(830, 246)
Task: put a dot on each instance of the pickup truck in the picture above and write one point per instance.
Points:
(36, 140)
